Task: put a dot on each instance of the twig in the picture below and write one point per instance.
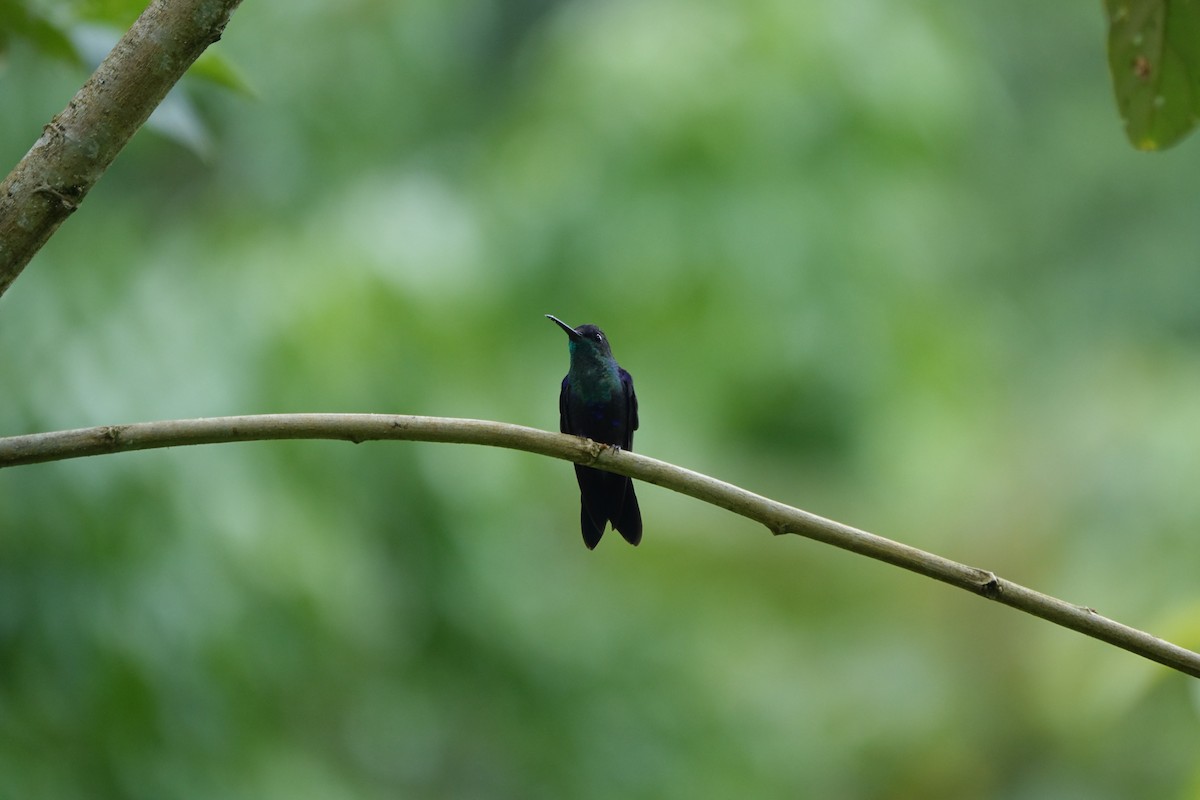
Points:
(80, 143)
(779, 518)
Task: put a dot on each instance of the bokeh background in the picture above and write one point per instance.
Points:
(893, 263)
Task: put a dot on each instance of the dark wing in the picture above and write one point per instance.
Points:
(631, 409)
(564, 416)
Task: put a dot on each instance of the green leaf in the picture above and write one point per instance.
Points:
(19, 19)
(215, 68)
(117, 12)
(1154, 58)
(177, 119)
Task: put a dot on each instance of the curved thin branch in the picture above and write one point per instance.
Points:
(777, 517)
(80, 143)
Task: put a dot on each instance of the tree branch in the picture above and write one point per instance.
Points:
(777, 517)
(80, 143)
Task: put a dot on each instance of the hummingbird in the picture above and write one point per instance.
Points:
(597, 401)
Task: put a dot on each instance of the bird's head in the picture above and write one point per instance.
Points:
(586, 341)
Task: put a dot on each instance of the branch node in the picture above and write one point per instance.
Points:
(55, 126)
(67, 197)
(111, 435)
(594, 449)
(988, 584)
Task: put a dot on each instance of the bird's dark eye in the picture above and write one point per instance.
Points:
(599, 337)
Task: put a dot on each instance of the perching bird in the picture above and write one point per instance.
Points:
(597, 401)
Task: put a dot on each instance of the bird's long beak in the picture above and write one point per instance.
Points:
(570, 331)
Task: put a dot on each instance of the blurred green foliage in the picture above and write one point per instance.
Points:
(82, 32)
(20, 19)
(892, 263)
